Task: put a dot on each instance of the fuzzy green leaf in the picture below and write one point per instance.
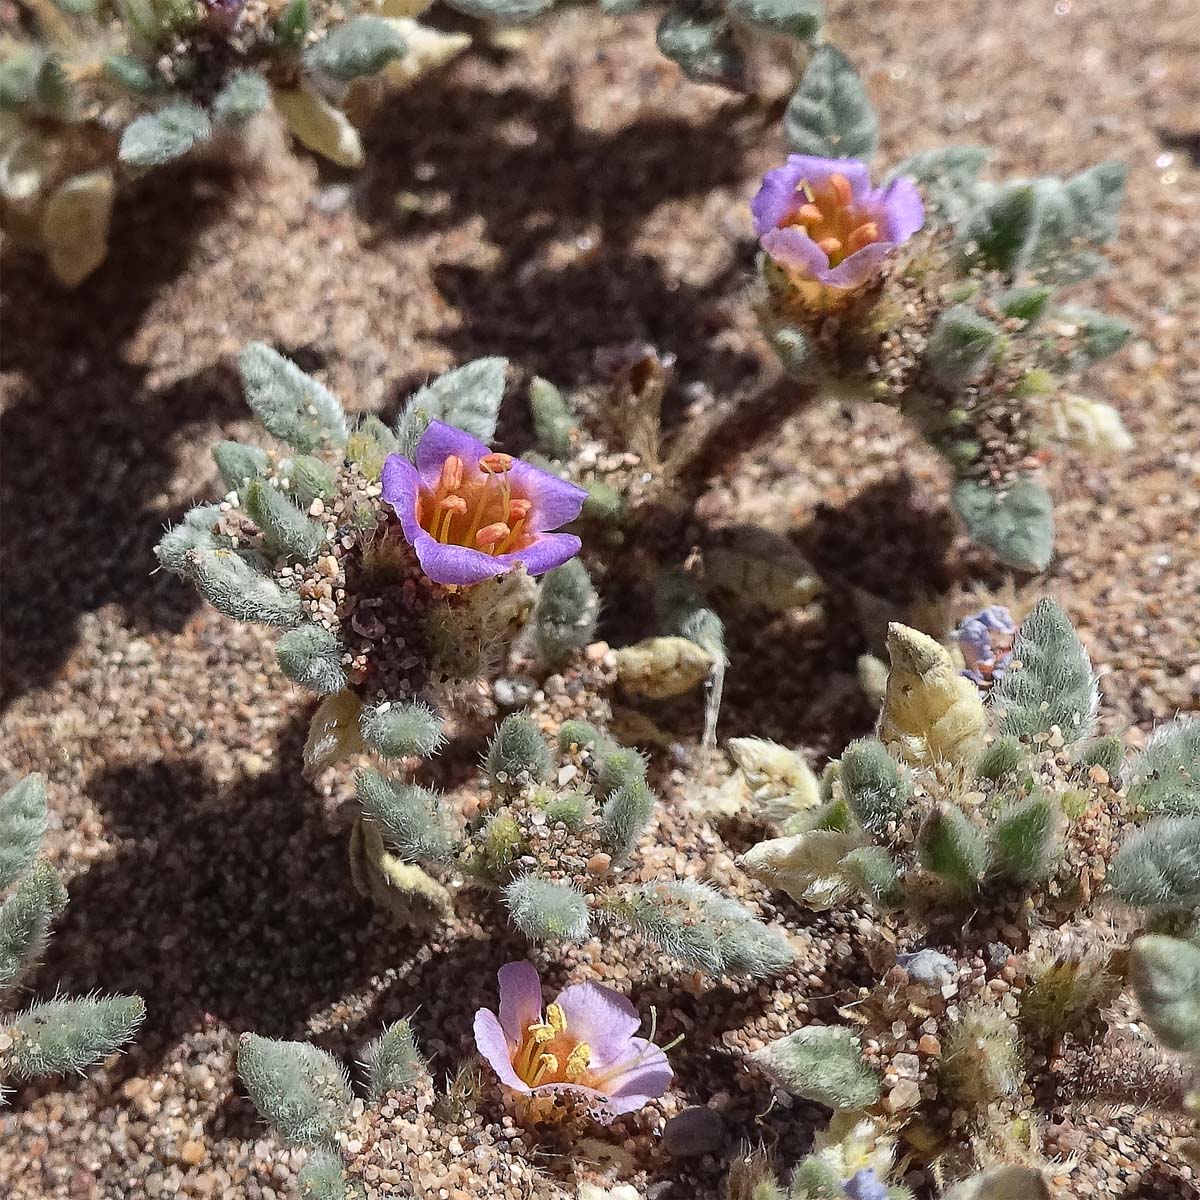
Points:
(564, 619)
(134, 75)
(158, 138)
(245, 95)
(954, 849)
(467, 398)
(872, 870)
(876, 788)
(518, 755)
(393, 1061)
(553, 421)
(1016, 523)
(798, 19)
(287, 532)
(545, 910)
(830, 114)
(322, 1178)
(1025, 303)
(946, 177)
(1025, 838)
(625, 814)
(960, 346)
(58, 1037)
(302, 1090)
(235, 588)
(1158, 867)
(359, 47)
(1165, 973)
(1002, 758)
(1094, 336)
(411, 819)
(1083, 208)
(398, 730)
(293, 25)
(707, 931)
(293, 406)
(312, 657)
(1165, 777)
(703, 46)
(503, 12)
(22, 824)
(25, 920)
(999, 231)
(238, 463)
(1050, 682)
(823, 1063)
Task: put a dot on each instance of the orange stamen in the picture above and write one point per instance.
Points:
(496, 463)
(809, 214)
(489, 535)
(831, 246)
(451, 477)
(842, 190)
(864, 235)
(451, 506)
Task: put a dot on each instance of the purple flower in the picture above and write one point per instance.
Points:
(472, 514)
(865, 1185)
(821, 221)
(986, 641)
(583, 1044)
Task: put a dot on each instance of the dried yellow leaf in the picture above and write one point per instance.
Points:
(412, 896)
(930, 712)
(318, 125)
(663, 666)
(333, 734)
(75, 225)
(804, 865)
(780, 780)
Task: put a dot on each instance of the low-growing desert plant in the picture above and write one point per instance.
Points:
(51, 1037)
(990, 833)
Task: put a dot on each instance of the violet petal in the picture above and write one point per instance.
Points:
(550, 550)
(601, 1017)
(555, 501)
(438, 442)
(457, 564)
(903, 210)
(494, 1047)
(520, 998)
(794, 250)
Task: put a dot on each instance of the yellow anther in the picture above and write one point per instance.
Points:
(556, 1018)
(577, 1062)
(547, 1064)
(831, 246)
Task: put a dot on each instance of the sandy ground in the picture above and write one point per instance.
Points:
(545, 205)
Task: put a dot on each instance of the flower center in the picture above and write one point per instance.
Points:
(549, 1054)
(830, 217)
(476, 509)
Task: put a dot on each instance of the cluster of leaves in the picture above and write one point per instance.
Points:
(1006, 813)
(967, 334)
(56, 1036)
(954, 799)
(306, 1094)
(304, 543)
(613, 444)
(91, 87)
(553, 850)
